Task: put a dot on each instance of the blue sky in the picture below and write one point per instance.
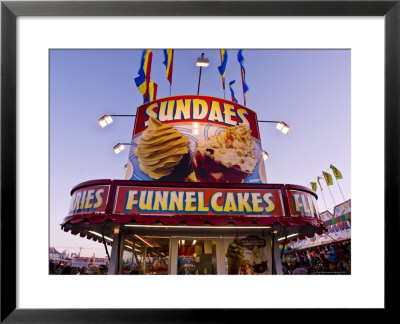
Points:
(307, 89)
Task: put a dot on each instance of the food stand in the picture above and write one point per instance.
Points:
(195, 199)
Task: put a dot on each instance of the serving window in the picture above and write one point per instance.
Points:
(145, 255)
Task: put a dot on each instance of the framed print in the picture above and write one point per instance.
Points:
(186, 171)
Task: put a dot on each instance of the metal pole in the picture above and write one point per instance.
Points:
(198, 87)
(273, 270)
(331, 195)
(340, 188)
(284, 243)
(105, 246)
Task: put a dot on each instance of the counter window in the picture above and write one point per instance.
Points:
(197, 257)
(145, 255)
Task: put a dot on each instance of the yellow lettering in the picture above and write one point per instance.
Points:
(182, 108)
(228, 114)
(215, 112)
(243, 204)
(145, 203)
(89, 197)
(161, 198)
(190, 199)
(99, 198)
(230, 203)
(214, 202)
(304, 200)
(150, 112)
(131, 199)
(75, 206)
(241, 114)
(176, 200)
(297, 204)
(165, 113)
(268, 200)
(200, 203)
(256, 200)
(83, 199)
(199, 113)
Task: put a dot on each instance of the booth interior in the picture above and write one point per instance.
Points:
(159, 249)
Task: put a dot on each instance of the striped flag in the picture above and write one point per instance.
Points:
(143, 80)
(152, 91)
(168, 62)
(243, 74)
(314, 186)
(328, 178)
(336, 172)
(222, 67)
(232, 93)
(320, 187)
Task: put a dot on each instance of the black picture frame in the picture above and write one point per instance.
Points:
(10, 10)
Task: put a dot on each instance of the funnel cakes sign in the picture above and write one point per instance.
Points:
(196, 139)
(198, 201)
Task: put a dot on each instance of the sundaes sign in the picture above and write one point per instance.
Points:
(196, 139)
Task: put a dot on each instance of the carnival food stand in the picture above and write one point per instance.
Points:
(195, 199)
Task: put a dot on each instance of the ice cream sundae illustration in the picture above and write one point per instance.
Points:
(163, 152)
(226, 157)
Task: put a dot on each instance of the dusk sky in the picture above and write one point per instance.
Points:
(307, 89)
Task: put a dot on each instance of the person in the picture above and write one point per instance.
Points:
(301, 269)
(66, 270)
(52, 268)
(134, 272)
(93, 270)
(103, 269)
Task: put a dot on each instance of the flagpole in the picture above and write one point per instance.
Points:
(331, 194)
(324, 199)
(340, 189)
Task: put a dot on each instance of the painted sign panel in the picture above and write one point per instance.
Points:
(196, 139)
(89, 200)
(303, 204)
(197, 201)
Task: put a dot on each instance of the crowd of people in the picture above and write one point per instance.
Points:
(333, 258)
(62, 268)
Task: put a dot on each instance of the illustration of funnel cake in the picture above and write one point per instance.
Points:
(163, 152)
(235, 255)
(226, 157)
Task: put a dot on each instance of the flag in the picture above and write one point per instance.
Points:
(232, 93)
(142, 81)
(314, 186)
(152, 91)
(336, 172)
(168, 62)
(320, 187)
(328, 178)
(243, 73)
(222, 67)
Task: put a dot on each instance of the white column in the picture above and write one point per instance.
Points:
(220, 255)
(173, 257)
(114, 264)
(277, 254)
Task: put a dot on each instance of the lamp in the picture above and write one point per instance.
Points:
(201, 61)
(120, 147)
(280, 125)
(107, 119)
(283, 127)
